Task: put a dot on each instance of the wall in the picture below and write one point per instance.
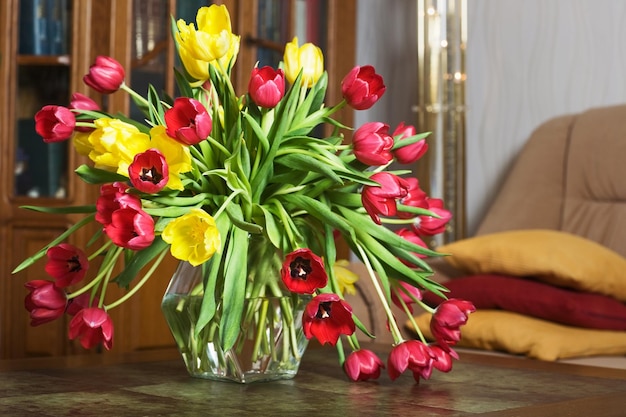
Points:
(387, 39)
(527, 61)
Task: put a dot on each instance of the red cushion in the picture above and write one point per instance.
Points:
(537, 299)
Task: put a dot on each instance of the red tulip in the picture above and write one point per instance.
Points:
(382, 200)
(447, 319)
(372, 144)
(326, 317)
(362, 87)
(443, 358)
(131, 228)
(410, 153)
(114, 197)
(188, 121)
(55, 123)
(303, 272)
(362, 365)
(411, 236)
(82, 102)
(149, 171)
(414, 198)
(266, 86)
(429, 225)
(92, 326)
(412, 355)
(82, 301)
(401, 295)
(105, 76)
(45, 301)
(67, 264)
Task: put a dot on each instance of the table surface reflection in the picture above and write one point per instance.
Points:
(156, 384)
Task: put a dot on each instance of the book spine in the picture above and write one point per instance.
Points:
(56, 13)
(33, 27)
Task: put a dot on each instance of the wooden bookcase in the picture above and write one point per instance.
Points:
(117, 28)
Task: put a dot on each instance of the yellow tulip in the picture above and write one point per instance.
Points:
(345, 277)
(193, 237)
(198, 69)
(212, 39)
(308, 58)
(81, 143)
(115, 143)
(177, 156)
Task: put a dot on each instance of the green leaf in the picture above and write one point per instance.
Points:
(320, 211)
(300, 162)
(258, 131)
(236, 217)
(98, 176)
(139, 260)
(272, 230)
(212, 271)
(235, 274)
(61, 210)
(155, 108)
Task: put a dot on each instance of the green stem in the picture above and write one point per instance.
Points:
(393, 326)
(31, 260)
(134, 94)
(106, 268)
(140, 283)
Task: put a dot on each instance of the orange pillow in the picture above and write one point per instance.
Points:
(555, 257)
(514, 333)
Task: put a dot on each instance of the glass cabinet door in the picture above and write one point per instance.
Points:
(43, 73)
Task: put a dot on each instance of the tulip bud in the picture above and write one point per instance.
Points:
(362, 87)
(266, 86)
(45, 302)
(105, 76)
(55, 123)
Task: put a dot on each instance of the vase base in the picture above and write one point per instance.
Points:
(246, 378)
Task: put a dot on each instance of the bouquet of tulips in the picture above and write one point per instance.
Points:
(205, 171)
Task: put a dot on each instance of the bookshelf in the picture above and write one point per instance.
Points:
(136, 33)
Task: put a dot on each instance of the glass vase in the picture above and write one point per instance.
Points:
(270, 343)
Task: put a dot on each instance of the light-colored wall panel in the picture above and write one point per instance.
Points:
(528, 61)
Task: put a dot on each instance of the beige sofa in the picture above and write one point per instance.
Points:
(570, 177)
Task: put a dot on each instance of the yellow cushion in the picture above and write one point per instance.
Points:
(500, 330)
(555, 257)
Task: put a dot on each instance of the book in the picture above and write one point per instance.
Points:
(57, 26)
(33, 31)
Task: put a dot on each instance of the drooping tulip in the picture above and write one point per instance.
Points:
(45, 301)
(327, 317)
(408, 154)
(362, 365)
(113, 197)
(67, 264)
(371, 144)
(447, 319)
(412, 355)
(425, 225)
(131, 228)
(92, 326)
(383, 200)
